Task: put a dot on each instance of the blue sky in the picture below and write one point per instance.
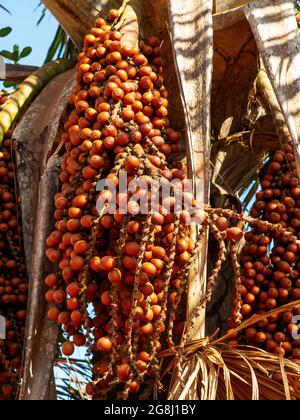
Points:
(25, 33)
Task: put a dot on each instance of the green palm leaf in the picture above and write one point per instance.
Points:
(72, 376)
(61, 46)
(5, 9)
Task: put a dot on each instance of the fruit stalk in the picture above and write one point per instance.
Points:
(27, 90)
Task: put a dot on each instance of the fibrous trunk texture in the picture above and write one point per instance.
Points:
(38, 175)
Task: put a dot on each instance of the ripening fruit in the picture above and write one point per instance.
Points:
(68, 348)
(134, 387)
(53, 255)
(51, 280)
(132, 163)
(149, 269)
(144, 356)
(95, 264)
(123, 372)
(107, 263)
(129, 263)
(118, 122)
(79, 340)
(246, 309)
(158, 252)
(132, 249)
(53, 314)
(146, 329)
(113, 14)
(222, 224)
(59, 296)
(76, 317)
(104, 344)
(81, 247)
(250, 333)
(64, 318)
(106, 298)
(141, 366)
(235, 233)
(50, 296)
(73, 289)
(115, 276)
(260, 337)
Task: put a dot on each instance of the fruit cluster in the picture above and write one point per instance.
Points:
(270, 258)
(129, 265)
(122, 258)
(13, 281)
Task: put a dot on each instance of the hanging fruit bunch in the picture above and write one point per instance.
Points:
(122, 262)
(270, 259)
(13, 281)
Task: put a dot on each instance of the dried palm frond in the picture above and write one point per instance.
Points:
(213, 370)
(228, 373)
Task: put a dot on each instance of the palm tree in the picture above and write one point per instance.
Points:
(219, 98)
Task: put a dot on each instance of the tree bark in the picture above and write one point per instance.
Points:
(16, 73)
(235, 69)
(38, 178)
(223, 20)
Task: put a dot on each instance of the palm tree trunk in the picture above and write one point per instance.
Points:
(38, 174)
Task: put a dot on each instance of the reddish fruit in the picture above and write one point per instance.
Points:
(68, 348)
(107, 263)
(123, 372)
(235, 234)
(104, 344)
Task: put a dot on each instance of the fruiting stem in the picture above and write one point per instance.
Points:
(213, 278)
(27, 91)
(238, 282)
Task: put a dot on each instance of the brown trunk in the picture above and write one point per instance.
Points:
(38, 179)
(16, 73)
